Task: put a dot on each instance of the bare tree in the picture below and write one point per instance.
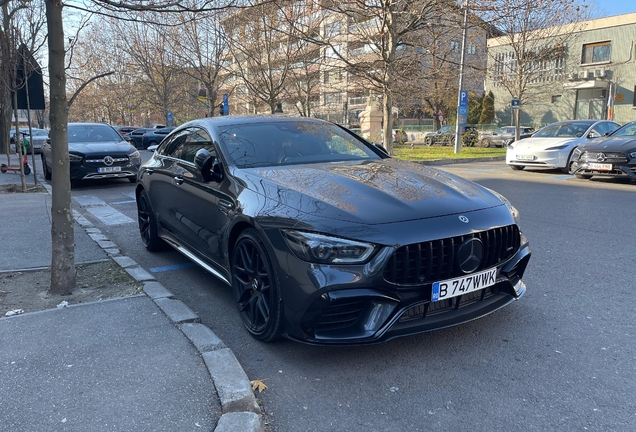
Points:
(532, 52)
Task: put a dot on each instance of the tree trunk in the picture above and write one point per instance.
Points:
(62, 229)
(387, 122)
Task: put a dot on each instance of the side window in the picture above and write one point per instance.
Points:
(197, 139)
(173, 145)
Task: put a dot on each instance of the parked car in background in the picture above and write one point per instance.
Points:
(613, 156)
(499, 137)
(302, 219)
(153, 137)
(136, 137)
(552, 146)
(96, 151)
(39, 136)
(446, 136)
(125, 130)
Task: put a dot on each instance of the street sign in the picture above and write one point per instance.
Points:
(226, 104)
(170, 118)
(463, 98)
(463, 110)
(515, 103)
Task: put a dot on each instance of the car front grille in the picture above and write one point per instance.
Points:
(341, 315)
(431, 261)
(609, 157)
(98, 160)
(424, 310)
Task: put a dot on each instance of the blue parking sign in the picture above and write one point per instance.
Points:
(463, 98)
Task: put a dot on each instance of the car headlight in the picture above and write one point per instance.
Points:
(322, 249)
(512, 209)
(135, 155)
(560, 147)
(75, 157)
(632, 155)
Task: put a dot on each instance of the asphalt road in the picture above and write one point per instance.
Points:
(561, 358)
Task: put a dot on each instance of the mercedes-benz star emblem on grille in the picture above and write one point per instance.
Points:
(601, 157)
(470, 255)
(463, 219)
(108, 160)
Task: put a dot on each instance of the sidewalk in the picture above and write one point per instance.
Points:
(134, 363)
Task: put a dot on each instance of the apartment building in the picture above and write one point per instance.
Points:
(589, 73)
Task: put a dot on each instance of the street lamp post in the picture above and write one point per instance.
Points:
(458, 135)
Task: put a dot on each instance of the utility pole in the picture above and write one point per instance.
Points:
(458, 135)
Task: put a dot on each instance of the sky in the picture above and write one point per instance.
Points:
(613, 7)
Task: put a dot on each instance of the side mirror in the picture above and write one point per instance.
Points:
(594, 134)
(210, 166)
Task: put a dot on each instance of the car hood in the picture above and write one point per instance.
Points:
(534, 143)
(101, 147)
(620, 144)
(370, 192)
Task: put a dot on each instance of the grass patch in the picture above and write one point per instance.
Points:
(420, 153)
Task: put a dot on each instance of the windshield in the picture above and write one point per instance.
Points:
(563, 130)
(92, 133)
(628, 130)
(290, 142)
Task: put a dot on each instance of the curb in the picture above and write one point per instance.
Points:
(240, 411)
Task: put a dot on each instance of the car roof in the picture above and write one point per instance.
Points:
(222, 121)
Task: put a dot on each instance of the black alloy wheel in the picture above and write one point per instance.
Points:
(45, 168)
(148, 224)
(255, 287)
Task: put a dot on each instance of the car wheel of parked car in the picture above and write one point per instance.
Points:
(583, 176)
(517, 167)
(428, 141)
(148, 224)
(255, 286)
(485, 142)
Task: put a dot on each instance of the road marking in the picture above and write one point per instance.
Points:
(102, 211)
(171, 267)
(124, 202)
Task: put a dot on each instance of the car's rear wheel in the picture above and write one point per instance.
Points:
(517, 167)
(148, 224)
(485, 142)
(570, 168)
(255, 286)
(428, 141)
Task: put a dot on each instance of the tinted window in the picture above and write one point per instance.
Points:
(628, 130)
(289, 142)
(197, 139)
(173, 145)
(557, 130)
(92, 133)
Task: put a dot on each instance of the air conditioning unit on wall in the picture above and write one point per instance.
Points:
(573, 76)
(585, 74)
(599, 73)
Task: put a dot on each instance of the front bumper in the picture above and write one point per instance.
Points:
(81, 171)
(539, 158)
(624, 171)
(356, 305)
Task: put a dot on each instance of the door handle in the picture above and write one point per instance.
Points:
(224, 203)
(178, 180)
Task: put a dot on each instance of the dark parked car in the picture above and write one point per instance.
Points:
(96, 151)
(504, 136)
(125, 130)
(154, 136)
(322, 236)
(136, 137)
(612, 156)
(446, 136)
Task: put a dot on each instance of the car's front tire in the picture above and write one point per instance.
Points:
(485, 142)
(255, 287)
(517, 167)
(148, 224)
(583, 176)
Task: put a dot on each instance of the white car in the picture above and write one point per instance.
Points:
(552, 146)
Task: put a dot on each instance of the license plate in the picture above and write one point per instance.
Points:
(465, 284)
(599, 166)
(108, 169)
(525, 157)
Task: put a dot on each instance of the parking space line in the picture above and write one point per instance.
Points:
(102, 211)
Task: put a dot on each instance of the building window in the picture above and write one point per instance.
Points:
(333, 98)
(556, 98)
(332, 29)
(333, 52)
(454, 46)
(596, 52)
